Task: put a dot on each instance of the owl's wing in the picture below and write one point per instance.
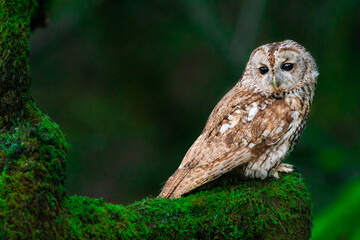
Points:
(240, 128)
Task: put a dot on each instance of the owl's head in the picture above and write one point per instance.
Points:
(280, 68)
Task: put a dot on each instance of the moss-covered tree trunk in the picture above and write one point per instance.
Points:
(33, 203)
(32, 147)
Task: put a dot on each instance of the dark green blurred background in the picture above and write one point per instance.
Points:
(131, 83)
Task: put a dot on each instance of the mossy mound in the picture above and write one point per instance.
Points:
(32, 165)
(245, 210)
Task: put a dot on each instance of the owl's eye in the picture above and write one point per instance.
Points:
(263, 70)
(287, 66)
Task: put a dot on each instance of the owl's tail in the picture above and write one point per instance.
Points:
(173, 182)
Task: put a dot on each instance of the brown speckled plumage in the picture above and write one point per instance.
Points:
(256, 124)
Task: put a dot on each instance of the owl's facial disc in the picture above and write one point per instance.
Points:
(280, 68)
(280, 72)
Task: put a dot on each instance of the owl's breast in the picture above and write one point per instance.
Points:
(299, 113)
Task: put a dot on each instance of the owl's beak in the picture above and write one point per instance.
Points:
(275, 83)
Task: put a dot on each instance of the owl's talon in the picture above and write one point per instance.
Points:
(287, 168)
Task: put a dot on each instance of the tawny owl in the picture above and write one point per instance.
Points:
(256, 124)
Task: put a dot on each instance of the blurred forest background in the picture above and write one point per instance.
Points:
(131, 84)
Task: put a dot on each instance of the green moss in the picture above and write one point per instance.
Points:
(34, 205)
(247, 210)
(14, 60)
(32, 168)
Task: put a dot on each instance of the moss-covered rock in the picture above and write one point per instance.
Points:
(34, 205)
